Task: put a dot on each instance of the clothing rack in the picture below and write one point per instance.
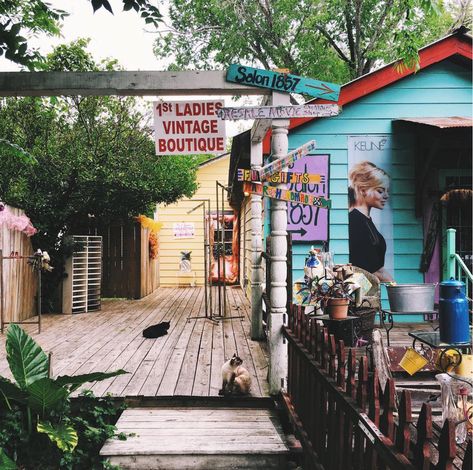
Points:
(16, 257)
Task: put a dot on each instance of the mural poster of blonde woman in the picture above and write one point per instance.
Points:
(370, 215)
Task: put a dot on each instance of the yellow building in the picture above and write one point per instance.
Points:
(183, 231)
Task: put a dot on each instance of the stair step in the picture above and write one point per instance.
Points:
(175, 438)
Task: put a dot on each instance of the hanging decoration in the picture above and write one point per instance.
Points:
(21, 223)
(154, 227)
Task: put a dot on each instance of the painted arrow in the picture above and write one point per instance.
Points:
(301, 231)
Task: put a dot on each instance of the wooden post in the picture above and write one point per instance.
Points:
(256, 249)
(277, 346)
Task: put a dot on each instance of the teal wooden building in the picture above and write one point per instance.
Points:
(419, 127)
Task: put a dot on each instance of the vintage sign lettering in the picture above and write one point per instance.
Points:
(280, 177)
(285, 195)
(282, 82)
(278, 112)
(188, 127)
(287, 160)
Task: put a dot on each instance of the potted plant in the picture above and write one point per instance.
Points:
(337, 298)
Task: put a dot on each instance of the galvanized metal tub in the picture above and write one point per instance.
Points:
(411, 297)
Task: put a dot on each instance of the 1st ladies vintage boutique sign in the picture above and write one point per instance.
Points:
(188, 127)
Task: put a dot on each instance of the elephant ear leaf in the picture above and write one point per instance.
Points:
(46, 395)
(76, 381)
(6, 463)
(63, 435)
(9, 392)
(28, 362)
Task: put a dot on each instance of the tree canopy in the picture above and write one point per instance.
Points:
(20, 19)
(333, 40)
(65, 160)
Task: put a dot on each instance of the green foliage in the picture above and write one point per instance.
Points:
(5, 462)
(37, 427)
(94, 157)
(22, 18)
(63, 435)
(333, 40)
(28, 362)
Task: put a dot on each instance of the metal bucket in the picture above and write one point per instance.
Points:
(411, 297)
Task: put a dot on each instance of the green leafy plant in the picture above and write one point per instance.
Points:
(42, 402)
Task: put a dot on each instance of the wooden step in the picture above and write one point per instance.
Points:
(175, 438)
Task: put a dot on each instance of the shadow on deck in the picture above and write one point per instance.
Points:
(185, 362)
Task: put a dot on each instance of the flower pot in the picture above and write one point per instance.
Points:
(336, 308)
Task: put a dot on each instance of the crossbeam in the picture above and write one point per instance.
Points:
(124, 83)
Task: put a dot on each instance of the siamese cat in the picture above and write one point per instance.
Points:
(235, 378)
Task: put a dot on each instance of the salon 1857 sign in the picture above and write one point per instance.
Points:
(282, 82)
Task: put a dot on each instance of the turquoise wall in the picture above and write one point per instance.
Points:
(441, 90)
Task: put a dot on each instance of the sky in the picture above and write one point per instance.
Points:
(123, 36)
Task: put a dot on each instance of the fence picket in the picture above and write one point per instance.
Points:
(403, 434)
(447, 447)
(341, 358)
(424, 437)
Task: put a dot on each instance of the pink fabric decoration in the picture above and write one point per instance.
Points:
(22, 223)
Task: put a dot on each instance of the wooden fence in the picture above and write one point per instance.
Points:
(19, 281)
(345, 421)
(127, 270)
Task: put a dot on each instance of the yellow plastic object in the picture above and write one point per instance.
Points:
(412, 361)
(465, 368)
(447, 360)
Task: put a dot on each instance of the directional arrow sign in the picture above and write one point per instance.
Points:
(300, 231)
(278, 112)
(282, 82)
(280, 177)
(285, 195)
(287, 160)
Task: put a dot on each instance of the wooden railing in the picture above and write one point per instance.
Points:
(343, 419)
(456, 268)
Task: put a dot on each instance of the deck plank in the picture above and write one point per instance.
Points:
(187, 361)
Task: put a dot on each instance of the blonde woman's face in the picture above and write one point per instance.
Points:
(377, 197)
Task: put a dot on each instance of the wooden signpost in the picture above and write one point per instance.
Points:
(286, 195)
(287, 160)
(278, 112)
(282, 82)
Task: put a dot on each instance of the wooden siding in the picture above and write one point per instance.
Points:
(245, 247)
(169, 249)
(443, 89)
(20, 283)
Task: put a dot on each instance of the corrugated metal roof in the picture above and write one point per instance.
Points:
(442, 122)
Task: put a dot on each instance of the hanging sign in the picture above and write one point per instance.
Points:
(282, 82)
(188, 127)
(285, 195)
(278, 112)
(287, 160)
(309, 224)
(279, 177)
(183, 230)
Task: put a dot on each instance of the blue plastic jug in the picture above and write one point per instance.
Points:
(453, 313)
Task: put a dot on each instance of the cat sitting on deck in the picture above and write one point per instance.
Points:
(155, 331)
(236, 379)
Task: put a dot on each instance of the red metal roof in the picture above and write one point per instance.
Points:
(441, 122)
(457, 44)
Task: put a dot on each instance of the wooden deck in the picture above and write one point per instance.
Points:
(185, 362)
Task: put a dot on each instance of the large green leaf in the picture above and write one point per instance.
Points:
(46, 395)
(76, 381)
(63, 435)
(6, 463)
(28, 362)
(10, 392)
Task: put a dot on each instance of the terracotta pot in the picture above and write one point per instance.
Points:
(337, 308)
